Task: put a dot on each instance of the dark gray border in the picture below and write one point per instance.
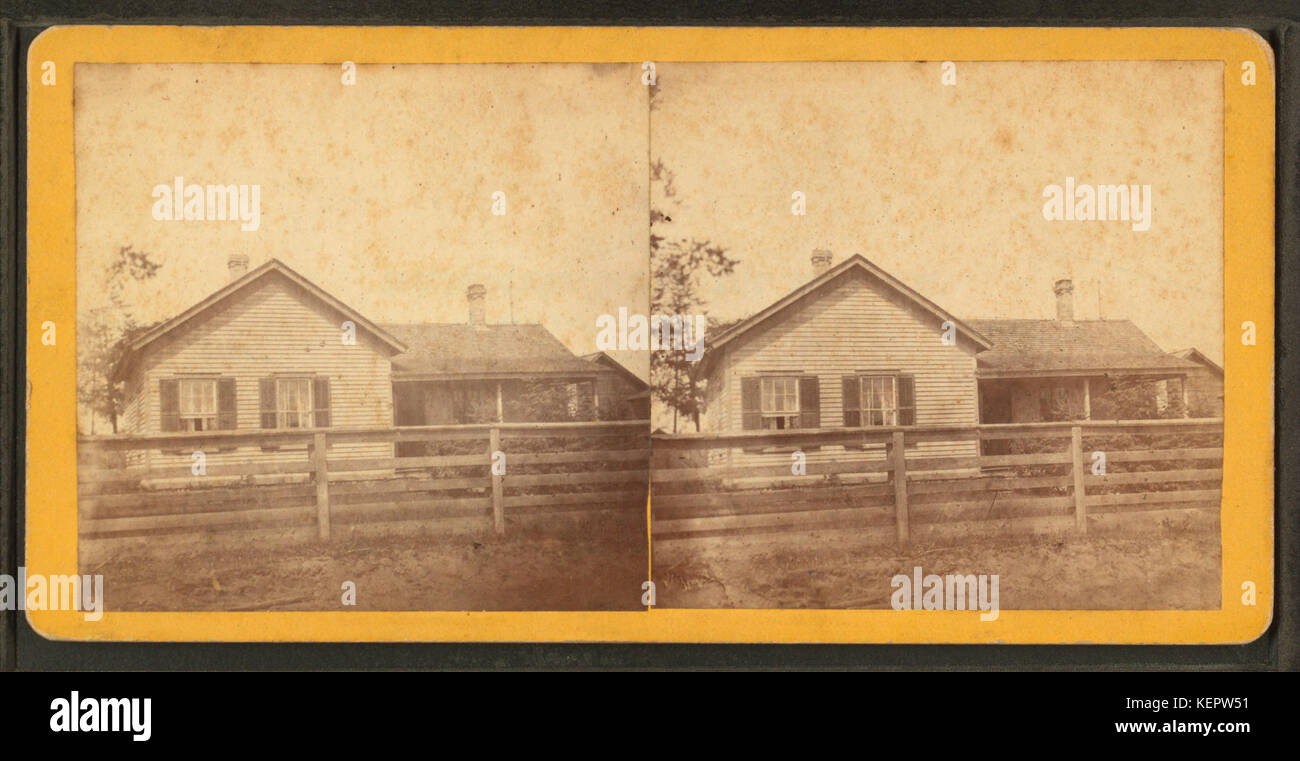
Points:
(9, 334)
(1278, 21)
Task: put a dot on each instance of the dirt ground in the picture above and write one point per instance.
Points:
(596, 565)
(1169, 568)
(600, 564)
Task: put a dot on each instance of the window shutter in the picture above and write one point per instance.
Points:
(751, 404)
(226, 404)
(810, 402)
(266, 390)
(852, 396)
(320, 395)
(169, 395)
(906, 400)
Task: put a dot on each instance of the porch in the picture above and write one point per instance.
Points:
(478, 401)
(1046, 399)
(494, 400)
(1065, 398)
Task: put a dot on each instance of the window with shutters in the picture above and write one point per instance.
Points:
(198, 404)
(293, 403)
(879, 399)
(780, 402)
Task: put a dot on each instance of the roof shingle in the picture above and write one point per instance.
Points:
(455, 349)
(1045, 346)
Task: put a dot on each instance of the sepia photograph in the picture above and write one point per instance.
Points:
(905, 336)
(336, 342)
(649, 335)
(776, 339)
(964, 335)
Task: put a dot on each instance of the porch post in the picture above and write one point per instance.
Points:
(1187, 410)
(1087, 398)
(501, 418)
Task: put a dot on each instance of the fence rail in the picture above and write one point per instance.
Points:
(888, 479)
(483, 473)
(1063, 474)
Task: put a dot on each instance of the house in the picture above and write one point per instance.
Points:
(621, 394)
(271, 351)
(1204, 385)
(479, 373)
(1067, 369)
(855, 348)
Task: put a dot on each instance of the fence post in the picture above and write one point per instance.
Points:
(320, 468)
(898, 458)
(498, 508)
(1076, 467)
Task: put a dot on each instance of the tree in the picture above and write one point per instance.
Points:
(104, 333)
(548, 402)
(677, 266)
(1127, 398)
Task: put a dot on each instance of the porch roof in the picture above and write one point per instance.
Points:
(1047, 348)
(452, 351)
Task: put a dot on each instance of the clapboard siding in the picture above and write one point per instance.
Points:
(1205, 393)
(851, 324)
(272, 327)
(133, 417)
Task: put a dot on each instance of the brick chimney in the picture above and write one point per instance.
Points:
(821, 260)
(237, 265)
(476, 295)
(1064, 290)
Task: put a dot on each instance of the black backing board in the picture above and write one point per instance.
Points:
(1278, 21)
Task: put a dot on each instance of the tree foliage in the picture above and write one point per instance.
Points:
(103, 334)
(677, 267)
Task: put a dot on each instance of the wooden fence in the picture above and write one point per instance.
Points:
(542, 468)
(1058, 474)
(1053, 474)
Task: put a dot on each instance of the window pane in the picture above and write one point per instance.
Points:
(879, 400)
(293, 402)
(779, 395)
(197, 397)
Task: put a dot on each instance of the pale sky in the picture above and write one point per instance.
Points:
(942, 185)
(379, 192)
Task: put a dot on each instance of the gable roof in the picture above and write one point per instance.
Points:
(1194, 355)
(604, 359)
(859, 262)
(1054, 347)
(229, 290)
(458, 350)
